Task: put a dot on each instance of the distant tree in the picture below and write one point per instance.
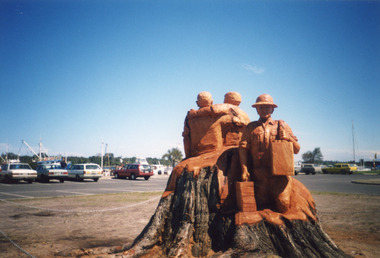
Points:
(95, 159)
(314, 157)
(129, 160)
(307, 157)
(152, 160)
(11, 155)
(26, 159)
(318, 157)
(174, 155)
(116, 161)
(77, 160)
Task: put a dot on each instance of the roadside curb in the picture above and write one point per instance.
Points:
(367, 181)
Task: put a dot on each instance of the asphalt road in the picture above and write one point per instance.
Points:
(22, 190)
(337, 183)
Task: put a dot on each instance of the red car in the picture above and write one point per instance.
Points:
(132, 171)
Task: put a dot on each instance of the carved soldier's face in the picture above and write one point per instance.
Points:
(265, 111)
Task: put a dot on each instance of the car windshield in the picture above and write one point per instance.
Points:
(20, 166)
(92, 167)
(145, 167)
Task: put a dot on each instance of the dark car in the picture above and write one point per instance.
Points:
(308, 169)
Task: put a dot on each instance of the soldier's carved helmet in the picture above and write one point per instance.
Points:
(264, 99)
(204, 99)
(233, 98)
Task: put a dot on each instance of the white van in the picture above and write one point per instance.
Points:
(85, 171)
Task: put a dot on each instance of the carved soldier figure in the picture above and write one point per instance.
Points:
(213, 126)
(271, 191)
(208, 132)
(231, 132)
(197, 123)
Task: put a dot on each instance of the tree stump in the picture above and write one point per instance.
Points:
(197, 219)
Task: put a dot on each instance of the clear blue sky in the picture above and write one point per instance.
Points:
(75, 72)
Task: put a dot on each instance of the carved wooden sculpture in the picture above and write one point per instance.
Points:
(232, 200)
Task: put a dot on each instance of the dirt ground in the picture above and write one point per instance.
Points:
(63, 227)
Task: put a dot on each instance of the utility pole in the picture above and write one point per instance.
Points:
(107, 154)
(353, 140)
(101, 158)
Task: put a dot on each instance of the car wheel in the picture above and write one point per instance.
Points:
(343, 171)
(11, 180)
(116, 176)
(61, 180)
(96, 179)
(44, 179)
(132, 177)
(30, 181)
(306, 173)
(79, 179)
(146, 177)
(313, 173)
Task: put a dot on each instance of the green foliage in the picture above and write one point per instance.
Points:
(173, 156)
(10, 156)
(129, 160)
(153, 160)
(314, 157)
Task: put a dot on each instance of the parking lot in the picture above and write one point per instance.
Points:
(22, 190)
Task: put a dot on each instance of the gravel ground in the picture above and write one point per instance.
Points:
(61, 227)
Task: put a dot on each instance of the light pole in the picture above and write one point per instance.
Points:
(101, 156)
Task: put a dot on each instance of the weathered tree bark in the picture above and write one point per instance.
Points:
(189, 222)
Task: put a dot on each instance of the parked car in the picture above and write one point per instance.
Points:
(340, 168)
(108, 170)
(45, 172)
(132, 171)
(85, 171)
(158, 169)
(297, 169)
(17, 172)
(308, 169)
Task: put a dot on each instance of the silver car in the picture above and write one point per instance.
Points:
(85, 171)
(45, 172)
